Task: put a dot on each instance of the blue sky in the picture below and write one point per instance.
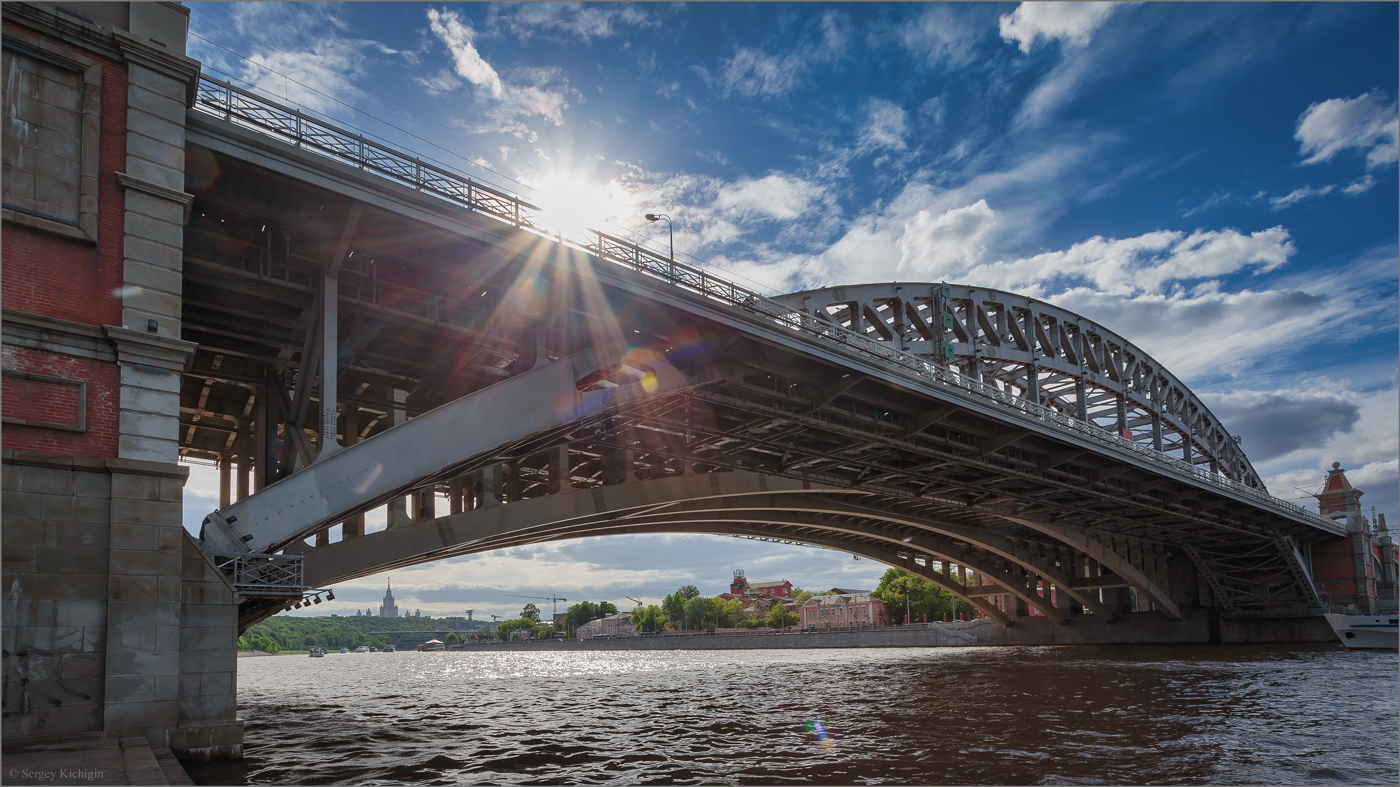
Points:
(1215, 182)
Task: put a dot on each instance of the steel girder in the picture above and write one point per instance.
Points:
(532, 407)
(1052, 356)
(767, 506)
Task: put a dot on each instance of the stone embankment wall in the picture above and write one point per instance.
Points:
(1134, 628)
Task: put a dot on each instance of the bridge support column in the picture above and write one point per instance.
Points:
(354, 527)
(489, 486)
(225, 481)
(241, 443)
(397, 510)
(558, 457)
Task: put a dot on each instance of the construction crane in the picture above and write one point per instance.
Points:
(554, 599)
(636, 601)
(495, 618)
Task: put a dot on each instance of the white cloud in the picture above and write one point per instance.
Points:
(457, 36)
(940, 36)
(583, 21)
(1071, 23)
(1144, 264)
(1215, 200)
(1359, 186)
(884, 127)
(752, 72)
(1298, 195)
(776, 196)
(955, 238)
(527, 93)
(1365, 123)
(291, 63)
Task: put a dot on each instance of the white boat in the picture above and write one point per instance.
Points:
(362, 649)
(1367, 632)
(317, 653)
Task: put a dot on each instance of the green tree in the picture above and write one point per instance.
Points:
(530, 612)
(606, 608)
(648, 619)
(698, 614)
(779, 617)
(924, 597)
(504, 628)
(731, 611)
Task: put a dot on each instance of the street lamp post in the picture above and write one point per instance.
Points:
(655, 217)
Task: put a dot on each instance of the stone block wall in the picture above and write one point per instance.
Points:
(114, 620)
(55, 536)
(208, 724)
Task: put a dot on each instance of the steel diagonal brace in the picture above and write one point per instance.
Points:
(1288, 550)
(395, 461)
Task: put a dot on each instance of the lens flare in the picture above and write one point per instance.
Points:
(530, 296)
(823, 737)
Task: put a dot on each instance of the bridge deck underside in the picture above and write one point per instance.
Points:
(437, 303)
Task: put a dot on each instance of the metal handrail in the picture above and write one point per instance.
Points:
(250, 110)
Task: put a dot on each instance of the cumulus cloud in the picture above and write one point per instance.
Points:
(1365, 124)
(1146, 263)
(1298, 195)
(953, 239)
(776, 196)
(1070, 23)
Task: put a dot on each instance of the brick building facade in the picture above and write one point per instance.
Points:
(842, 611)
(115, 621)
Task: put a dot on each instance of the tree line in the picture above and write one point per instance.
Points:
(287, 632)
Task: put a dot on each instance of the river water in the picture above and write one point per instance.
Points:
(1125, 714)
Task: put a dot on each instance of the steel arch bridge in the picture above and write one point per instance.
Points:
(372, 327)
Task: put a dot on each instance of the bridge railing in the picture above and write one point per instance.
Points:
(291, 125)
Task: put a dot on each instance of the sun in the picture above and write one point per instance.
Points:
(571, 203)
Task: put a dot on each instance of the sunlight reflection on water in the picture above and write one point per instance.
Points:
(1188, 714)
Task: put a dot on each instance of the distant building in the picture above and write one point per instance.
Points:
(848, 592)
(742, 588)
(388, 609)
(611, 627)
(843, 611)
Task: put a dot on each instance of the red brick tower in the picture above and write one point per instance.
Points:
(1351, 572)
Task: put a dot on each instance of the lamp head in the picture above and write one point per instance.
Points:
(653, 217)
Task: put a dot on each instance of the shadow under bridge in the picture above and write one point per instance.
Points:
(971, 553)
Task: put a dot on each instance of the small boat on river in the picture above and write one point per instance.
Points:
(317, 653)
(1367, 632)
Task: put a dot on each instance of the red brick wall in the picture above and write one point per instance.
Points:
(55, 277)
(103, 388)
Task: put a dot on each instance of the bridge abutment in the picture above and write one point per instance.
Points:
(115, 621)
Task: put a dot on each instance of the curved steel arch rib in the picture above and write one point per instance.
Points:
(1046, 354)
(719, 503)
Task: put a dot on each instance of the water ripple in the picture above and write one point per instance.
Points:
(1182, 715)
